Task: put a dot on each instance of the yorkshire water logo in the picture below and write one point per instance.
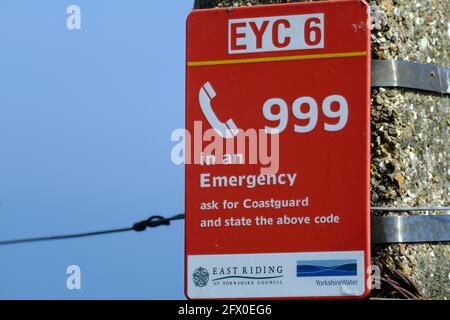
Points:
(326, 268)
(200, 277)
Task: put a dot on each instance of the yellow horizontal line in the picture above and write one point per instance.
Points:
(274, 59)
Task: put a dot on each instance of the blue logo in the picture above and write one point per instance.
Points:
(326, 268)
(200, 277)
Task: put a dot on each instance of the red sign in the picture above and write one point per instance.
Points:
(277, 151)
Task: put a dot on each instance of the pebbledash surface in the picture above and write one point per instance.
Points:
(410, 131)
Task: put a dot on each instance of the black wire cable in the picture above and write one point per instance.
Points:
(156, 221)
(151, 222)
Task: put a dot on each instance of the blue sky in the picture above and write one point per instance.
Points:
(85, 123)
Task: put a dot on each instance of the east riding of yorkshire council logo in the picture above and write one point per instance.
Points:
(201, 277)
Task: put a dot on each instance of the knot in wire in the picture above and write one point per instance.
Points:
(151, 222)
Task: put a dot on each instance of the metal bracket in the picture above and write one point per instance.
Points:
(413, 75)
(411, 229)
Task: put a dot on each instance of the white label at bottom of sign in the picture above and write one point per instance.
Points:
(312, 274)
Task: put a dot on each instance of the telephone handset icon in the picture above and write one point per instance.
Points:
(226, 130)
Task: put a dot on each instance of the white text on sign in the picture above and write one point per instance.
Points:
(309, 116)
(280, 33)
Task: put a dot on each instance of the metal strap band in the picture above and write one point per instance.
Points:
(410, 229)
(409, 209)
(407, 74)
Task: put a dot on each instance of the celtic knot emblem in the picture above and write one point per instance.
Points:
(201, 277)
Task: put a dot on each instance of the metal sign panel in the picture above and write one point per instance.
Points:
(277, 151)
